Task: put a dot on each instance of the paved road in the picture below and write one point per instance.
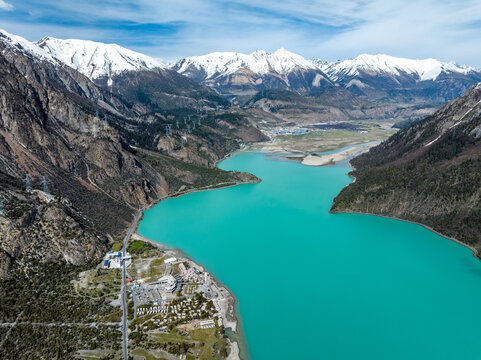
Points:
(53, 324)
(10, 329)
(124, 287)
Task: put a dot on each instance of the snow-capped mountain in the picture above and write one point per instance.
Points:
(392, 79)
(133, 75)
(237, 73)
(426, 69)
(145, 81)
(259, 62)
(375, 77)
(27, 47)
(95, 59)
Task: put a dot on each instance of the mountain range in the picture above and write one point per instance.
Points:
(379, 78)
(371, 76)
(367, 87)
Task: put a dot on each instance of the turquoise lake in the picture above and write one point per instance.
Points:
(315, 285)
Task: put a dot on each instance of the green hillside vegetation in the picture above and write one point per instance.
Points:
(54, 317)
(179, 173)
(422, 175)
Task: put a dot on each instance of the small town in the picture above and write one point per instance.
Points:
(169, 296)
(183, 294)
(295, 130)
(168, 292)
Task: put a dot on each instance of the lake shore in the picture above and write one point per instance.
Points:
(474, 250)
(229, 309)
(331, 159)
(228, 305)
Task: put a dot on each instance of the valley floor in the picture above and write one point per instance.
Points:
(318, 141)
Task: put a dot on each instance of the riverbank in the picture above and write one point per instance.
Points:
(228, 303)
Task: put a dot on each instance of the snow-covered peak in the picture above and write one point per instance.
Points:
(426, 69)
(25, 46)
(95, 59)
(259, 62)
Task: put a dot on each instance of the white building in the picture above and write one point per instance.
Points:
(207, 324)
(170, 260)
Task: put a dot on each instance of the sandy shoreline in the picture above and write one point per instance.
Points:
(328, 159)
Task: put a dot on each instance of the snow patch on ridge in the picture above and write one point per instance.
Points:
(432, 142)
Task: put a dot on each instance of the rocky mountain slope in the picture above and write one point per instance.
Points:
(48, 130)
(38, 229)
(429, 172)
(60, 129)
(330, 104)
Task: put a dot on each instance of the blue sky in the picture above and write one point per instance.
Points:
(449, 30)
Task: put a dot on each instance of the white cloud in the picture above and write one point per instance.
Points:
(446, 30)
(5, 6)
